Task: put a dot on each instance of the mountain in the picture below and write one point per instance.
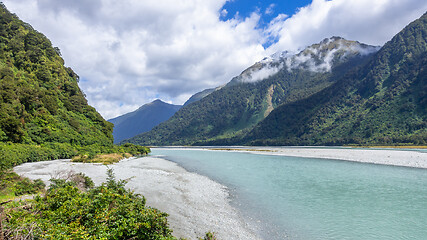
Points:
(142, 120)
(382, 102)
(196, 97)
(322, 57)
(40, 100)
(232, 111)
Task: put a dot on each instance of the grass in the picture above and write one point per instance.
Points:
(102, 158)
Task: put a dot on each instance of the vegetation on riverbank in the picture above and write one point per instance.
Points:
(13, 154)
(108, 157)
(108, 211)
(73, 208)
(102, 158)
(12, 185)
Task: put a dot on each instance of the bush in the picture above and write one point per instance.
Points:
(26, 186)
(106, 212)
(14, 185)
(13, 154)
(209, 236)
(135, 150)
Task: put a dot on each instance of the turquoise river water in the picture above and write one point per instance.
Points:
(305, 198)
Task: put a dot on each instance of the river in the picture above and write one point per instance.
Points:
(308, 198)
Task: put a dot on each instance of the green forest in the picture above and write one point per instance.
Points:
(43, 113)
(40, 99)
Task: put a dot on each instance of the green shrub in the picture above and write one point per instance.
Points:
(26, 186)
(14, 185)
(106, 212)
(135, 150)
(209, 236)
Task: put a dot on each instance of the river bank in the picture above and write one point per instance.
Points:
(394, 157)
(195, 203)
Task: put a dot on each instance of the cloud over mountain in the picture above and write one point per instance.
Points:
(130, 52)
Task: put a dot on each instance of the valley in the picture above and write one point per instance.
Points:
(314, 140)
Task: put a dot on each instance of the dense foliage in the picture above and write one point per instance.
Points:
(108, 211)
(236, 108)
(11, 185)
(40, 100)
(383, 102)
(15, 154)
(43, 113)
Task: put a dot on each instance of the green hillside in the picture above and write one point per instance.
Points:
(43, 113)
(233, 110)
(40, 100)
(384, 102)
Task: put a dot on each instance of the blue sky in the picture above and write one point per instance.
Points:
(129, 52)
(269, 9)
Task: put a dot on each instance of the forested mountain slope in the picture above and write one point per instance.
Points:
(40, 100)
(142, 120)
(383, 102)
(233, 110)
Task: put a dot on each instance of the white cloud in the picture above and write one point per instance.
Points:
(321, 57)
(130, 52)
(270, 9)
(224, 13)
(259, 71)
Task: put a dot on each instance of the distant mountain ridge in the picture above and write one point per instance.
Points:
(234, 109)
(142, 120)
